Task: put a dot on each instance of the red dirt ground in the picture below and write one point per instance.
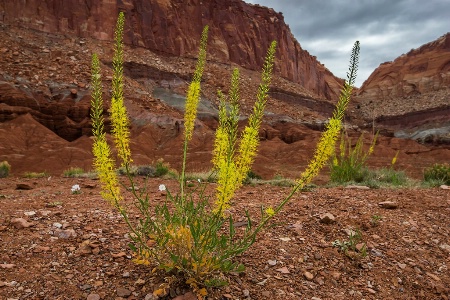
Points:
(88, 258)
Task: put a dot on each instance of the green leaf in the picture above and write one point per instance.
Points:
(132, 247)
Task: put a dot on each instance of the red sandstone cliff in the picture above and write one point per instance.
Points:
(239, 32)
(414, 81)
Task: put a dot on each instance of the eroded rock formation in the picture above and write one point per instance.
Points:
(412, 82)
(239, 32)
(409, 97)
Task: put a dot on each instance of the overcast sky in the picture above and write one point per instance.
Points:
(385, 28)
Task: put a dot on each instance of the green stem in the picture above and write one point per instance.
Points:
(183, 174)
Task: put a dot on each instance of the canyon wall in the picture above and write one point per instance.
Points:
(240, 33)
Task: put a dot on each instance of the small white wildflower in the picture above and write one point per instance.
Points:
(162, 187)
(199, 180)
(75, 189)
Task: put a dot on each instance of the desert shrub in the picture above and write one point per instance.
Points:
(252, 177)
(146, 170)
(437, 174)
(350, 163)
(73, 172)
(35, 174)
(131, 171)
(161, 168)
(351, 169)
(5, 168)
(195, 240)
(280, 180)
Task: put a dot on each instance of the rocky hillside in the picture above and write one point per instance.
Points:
(412, 92)
(240, 32)
(420, 72)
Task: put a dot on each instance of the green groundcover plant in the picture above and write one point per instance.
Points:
(191, 235)
(437, 174)
(5, 168)
(73, 172)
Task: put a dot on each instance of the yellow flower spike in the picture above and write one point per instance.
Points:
(222, 141)
(193, 94)
(394, 159)
(372, 145)
(324, 150)
(119, 118)
(325, 147)
(103, 162)
(193, 97)
(233, 168)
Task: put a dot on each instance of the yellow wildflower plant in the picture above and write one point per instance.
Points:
(350, 164)
(224, 145)
(326, 144)
(325, 147)
(184, 235)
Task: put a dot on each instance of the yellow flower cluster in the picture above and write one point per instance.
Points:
(270, 212)
(220, 147)
(247, 152)
(227, 183)
(103, 162)
(394, 159)
(192, 99)
(142, 257)
(104, 166)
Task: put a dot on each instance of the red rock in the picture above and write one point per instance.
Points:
(419, 71)
(20, 223)
(189, 296)
(308, 275)
(388, 204)
(7, 266)
(23, 186)
(239, 32)
(327, 218)
(283, 270)
(409, 96)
